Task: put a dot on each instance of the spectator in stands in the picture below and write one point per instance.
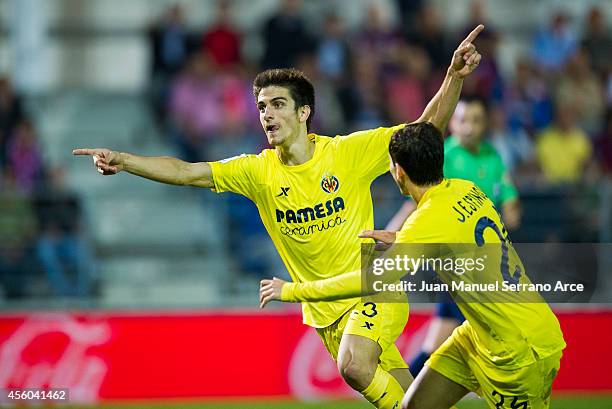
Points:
(285, 36)
(580, 85)
(405, 88)
(410, 12)
(563, 150)
(374, 52)
(427, 32)
(528, 99)
(597, 42)
(363, 103)
(24, 156)
(555, 44)
(333, 50)
(61, 247)
(513, 144)
(17, 231)
(168, 44)
(603, 145)
(468, 155)
(11, 113)
(204, 100)
(222, 41)
(377, 39)
(194, 109)
(329, 118)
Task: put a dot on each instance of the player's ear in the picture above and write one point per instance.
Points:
(304, 113)
(400, 174)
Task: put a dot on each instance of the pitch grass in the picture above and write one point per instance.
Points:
(581, 402)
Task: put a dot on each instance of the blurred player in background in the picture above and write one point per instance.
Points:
(509, 348)
(313, 195)
(467, 155)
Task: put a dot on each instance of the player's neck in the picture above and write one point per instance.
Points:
(417, 192)
(296, 152)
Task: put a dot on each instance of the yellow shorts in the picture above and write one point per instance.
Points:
(380, 322)
(527, 387)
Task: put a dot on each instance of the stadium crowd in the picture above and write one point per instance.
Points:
(551, 120)
(43, 249)
(557, 100)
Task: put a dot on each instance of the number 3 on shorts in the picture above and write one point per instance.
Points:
(372, 312)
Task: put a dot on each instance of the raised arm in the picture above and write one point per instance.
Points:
(163, 169)
(465, 60)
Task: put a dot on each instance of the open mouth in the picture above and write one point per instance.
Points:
(272, 128)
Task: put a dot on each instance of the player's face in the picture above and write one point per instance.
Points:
(278, 115)
(470, 124)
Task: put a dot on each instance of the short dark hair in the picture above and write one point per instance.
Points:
(419, 149)
(299, 86)
(475, 99)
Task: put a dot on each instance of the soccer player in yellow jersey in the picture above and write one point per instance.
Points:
(313, 196)
(507, 350)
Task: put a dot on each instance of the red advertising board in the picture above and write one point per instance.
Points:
(114, 355)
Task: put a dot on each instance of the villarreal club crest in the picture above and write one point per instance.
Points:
(330, 183)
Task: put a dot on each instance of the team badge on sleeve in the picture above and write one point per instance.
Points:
(330, 183)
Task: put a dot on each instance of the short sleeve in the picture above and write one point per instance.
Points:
(239, 174)
(367, 151)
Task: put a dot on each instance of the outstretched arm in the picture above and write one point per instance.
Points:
(347, 285)
(465, 60)
(163, 169)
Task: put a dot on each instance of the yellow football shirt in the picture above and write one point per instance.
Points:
(314, 211)
(456, 212)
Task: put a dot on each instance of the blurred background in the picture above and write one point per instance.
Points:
(157, 77)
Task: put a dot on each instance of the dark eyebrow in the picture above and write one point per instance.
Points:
(273, 100)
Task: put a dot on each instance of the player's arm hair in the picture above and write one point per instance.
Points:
(441, 107)
(169, 170)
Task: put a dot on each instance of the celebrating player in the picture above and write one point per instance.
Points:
(508, 352)
(466, 156)
(313, 196)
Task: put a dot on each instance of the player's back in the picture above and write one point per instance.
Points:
(508, 327)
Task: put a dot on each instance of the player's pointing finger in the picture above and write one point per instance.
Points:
(472, 36)
(82, 151)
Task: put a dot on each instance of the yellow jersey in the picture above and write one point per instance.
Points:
(314, 211)
(506, 330)
(456, 211)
